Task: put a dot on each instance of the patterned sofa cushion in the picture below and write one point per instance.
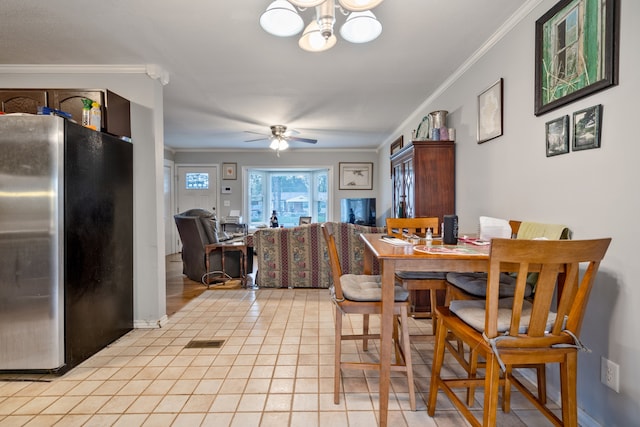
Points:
(297, 256)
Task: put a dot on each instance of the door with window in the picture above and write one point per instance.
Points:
(197, 188)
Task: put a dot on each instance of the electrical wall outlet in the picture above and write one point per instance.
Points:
(610, 374)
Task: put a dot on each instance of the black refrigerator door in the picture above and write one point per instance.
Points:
(98, 241)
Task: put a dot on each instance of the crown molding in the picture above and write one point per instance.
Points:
(269, 150)
(154, 71)
(504, 29)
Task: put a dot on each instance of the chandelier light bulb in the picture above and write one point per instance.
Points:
(361, 27)
(313, 41)
(306, 3)
(359, 5)
(281, 19)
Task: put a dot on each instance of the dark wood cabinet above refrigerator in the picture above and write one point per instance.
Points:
(116, 110)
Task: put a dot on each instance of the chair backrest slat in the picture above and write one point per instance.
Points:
(556, 261)
(419, 226)
(519, 294)
(334, 259)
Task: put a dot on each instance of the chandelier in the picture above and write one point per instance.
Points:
(361, 26)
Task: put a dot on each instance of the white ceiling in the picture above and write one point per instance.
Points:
(227, 75)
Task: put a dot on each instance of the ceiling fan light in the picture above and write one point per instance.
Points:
(274, 144)
(283, 144)
(281, 19)
(313, 41)
(359, 5)
(361, 27)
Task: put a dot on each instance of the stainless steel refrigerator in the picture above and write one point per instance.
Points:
(66, 242)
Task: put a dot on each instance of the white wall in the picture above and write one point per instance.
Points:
(592, 191)
(147, 132)
(290, 158)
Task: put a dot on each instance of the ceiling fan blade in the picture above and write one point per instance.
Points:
(295, 138)
(263, 137)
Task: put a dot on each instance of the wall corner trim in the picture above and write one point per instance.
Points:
(154, 71)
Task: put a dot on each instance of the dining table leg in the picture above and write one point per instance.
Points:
(386, 331)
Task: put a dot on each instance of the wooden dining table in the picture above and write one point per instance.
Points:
(463, 257)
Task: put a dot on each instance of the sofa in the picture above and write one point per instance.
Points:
(198, 228)
(297, 257)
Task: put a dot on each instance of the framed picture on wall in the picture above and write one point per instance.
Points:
(304, 220)
(576, 52)
(229, 171)
(557, 136)
(356, 176)
(397, 145)
(586, 128)
(490, 112)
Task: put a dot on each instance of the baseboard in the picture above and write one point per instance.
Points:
(150, 324)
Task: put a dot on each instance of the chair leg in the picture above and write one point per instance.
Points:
(542, 383)
(491, 389)
(433, 300)
(406, 345)
(506, 390)
(365, 332)
(396, 342)
(337, 357)
(438, 357)
(568, 378)
(473, 369)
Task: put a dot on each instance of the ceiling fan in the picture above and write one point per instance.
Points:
(279, 138)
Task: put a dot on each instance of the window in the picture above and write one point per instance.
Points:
(197, 181)
(292, 193)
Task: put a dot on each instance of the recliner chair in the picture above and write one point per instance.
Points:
(198, 228)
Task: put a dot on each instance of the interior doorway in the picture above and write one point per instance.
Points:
(170, 231)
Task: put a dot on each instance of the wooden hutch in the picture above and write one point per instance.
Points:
(423, 175)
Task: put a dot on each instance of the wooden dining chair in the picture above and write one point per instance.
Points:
(418, 280)
(473, 286)
(514, 331)
(361, 294)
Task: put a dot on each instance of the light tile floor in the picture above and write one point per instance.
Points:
(275, 368)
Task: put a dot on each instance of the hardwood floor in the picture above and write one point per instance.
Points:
(181, 289)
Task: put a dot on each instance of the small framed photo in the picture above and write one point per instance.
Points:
(397, 145)
(304, 220)
(229, 171)
(586, 128)
(356, 176)
(557, 136)
(490, 112)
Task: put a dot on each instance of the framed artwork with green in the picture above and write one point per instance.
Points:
(576, 52)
